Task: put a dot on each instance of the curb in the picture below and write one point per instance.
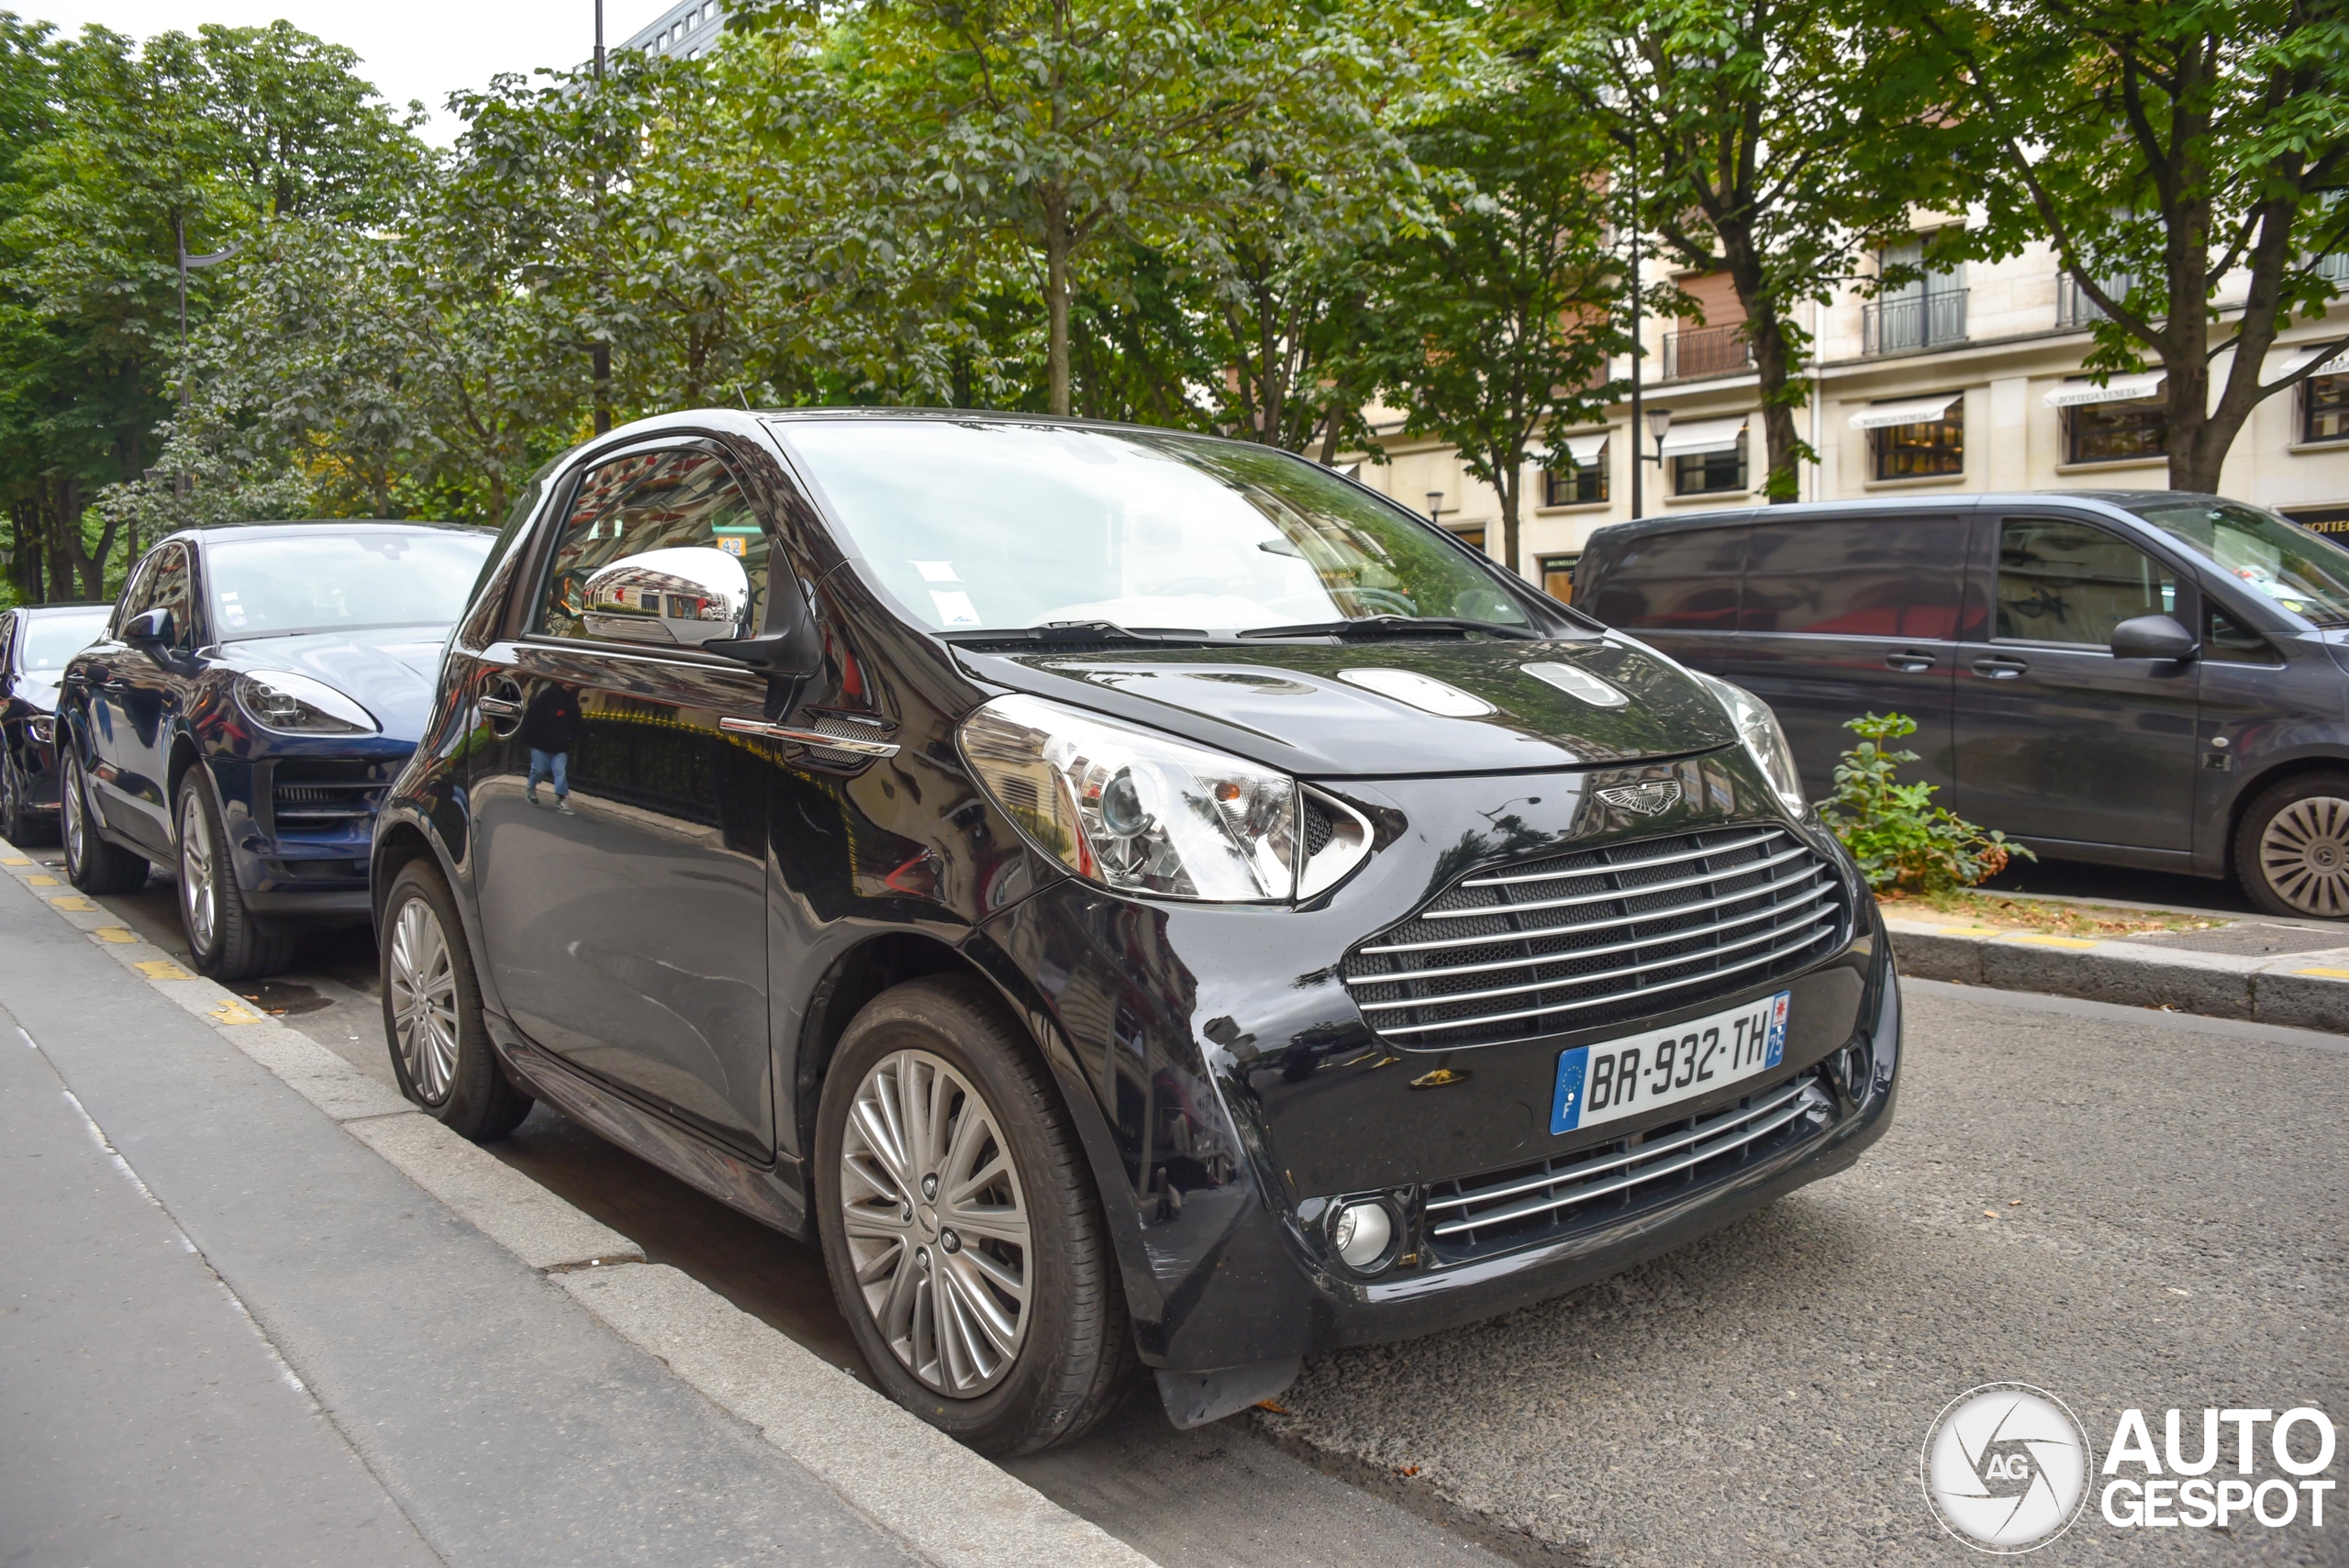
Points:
(2303, 990)
(951, 1506)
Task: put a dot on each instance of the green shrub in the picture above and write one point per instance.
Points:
(1903, 842)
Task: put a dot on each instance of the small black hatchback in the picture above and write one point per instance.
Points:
(1134, 899)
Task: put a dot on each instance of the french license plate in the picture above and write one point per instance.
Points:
(1624, 1077)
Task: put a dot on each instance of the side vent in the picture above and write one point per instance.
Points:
(1337, 840)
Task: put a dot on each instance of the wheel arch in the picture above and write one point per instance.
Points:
(2259, 784)
(852, 979)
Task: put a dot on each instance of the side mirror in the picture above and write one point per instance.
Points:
(2153, 637)
(150, 631)
(688, 596)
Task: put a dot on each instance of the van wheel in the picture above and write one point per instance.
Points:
(226, 940)
(441, 1050)
(93, 865)
(962, 1232)
(2292, 849)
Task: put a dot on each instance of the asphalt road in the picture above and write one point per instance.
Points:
(2168, 1196)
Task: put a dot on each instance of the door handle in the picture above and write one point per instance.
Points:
(501, 705)
(1999, 667)
(1908, 660)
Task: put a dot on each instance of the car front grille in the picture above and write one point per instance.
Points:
(1590, 1186)
(1597, 936)
(322, 795)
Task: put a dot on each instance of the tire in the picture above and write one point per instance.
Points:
(432, 1023)
(20, 824)
(2292, 847)
(228, 940)
(92, 863)
(942, 1047)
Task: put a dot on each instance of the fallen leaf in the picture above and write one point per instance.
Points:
(1989, 1213)
(1274, 1406)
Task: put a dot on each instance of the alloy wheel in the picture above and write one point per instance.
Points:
(70, 814)
(936, 1223)
(424, 1000)
(199, 898)
(2304, 855)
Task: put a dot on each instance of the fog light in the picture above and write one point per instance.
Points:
(1360, 1234)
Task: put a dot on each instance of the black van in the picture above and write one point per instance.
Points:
(1131, 897)
(2139, 678)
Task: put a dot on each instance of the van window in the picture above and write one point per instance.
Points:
(2061, 580)
(1858, 576)
(1684, 581)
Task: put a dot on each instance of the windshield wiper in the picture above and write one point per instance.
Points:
(1059, 631)
(1395, 625)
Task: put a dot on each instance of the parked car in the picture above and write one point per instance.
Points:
(1125, 894)
(254, 692)
(2138, 678)
(36, 642)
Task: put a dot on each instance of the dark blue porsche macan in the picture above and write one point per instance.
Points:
(256, 688)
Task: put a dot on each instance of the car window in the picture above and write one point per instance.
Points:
(285, 584)
(167, 587)
(1684, 581)
(138, 594)
(49, 641)
(659, 548)
(1859, 576)
(2061, 580)
(2229, 641)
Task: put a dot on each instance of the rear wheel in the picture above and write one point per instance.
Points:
(962, 1232)
(440, 1051)
(92, 865)
(2292, 849)
(228, 940)
(20, 822)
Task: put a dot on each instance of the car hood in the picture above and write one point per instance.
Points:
(37, 688)
(1302, 707)
(391, 677)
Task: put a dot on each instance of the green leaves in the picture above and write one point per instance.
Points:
(1903, 842)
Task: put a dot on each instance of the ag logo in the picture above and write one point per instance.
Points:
(1646, 799)
(2006, 1467)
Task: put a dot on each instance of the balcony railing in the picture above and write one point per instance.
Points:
(2073, 306)
(1916, 321)
(1706, 350)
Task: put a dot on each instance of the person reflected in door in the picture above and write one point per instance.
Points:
(549, 728)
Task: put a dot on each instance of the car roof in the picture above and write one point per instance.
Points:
(2109, 503)
(330, 526)
(82, 606)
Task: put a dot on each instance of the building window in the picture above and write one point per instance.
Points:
(1582, 484)
(1474, 538)
(1707, 474)
(1558, 577)
(2325, 408)
(2116, 432)
(1928, 448)
(1922, 312)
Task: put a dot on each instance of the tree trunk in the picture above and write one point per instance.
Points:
(1056, 249)
(1510, 484)
(1766, 333)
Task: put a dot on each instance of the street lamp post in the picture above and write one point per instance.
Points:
(1659, 421)
(1632, 181)
(1435, 507)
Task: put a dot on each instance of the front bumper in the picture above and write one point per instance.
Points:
(1230, 1092)
(313, 870)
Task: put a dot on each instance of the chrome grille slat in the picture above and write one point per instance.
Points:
(1503, 954)
(1809, 874)
(1807, 881)
(1735, 1117)
(1579, 979)
(1737, 1137)
(1621, 866)
(1641, 891)
(1810, 937)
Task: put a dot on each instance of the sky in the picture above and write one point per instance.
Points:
(416, 49)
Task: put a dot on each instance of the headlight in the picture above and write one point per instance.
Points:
(1757, 727)
(297, 704)
(1134, 810)
(43, 728)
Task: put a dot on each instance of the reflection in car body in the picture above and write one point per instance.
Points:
(37, 642)
(1127, 896)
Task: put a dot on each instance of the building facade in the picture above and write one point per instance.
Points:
(1965, 381)
(685, 30)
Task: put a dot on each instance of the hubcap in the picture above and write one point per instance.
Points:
(2304, 855)
(70, 813)
(424, 1000)
(199, 899)
(936, 1222)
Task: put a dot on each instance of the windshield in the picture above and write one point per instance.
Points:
(974, 526)
(2305, 572)
(49, 640)
(277, 585)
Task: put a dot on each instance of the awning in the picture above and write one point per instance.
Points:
(1585, 450)
(2337, 365)
(1694, 437)
(2121, 389)
(1907, 411)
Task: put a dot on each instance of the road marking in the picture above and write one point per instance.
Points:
(115, 934)
(16, 860)
(228, 1012)
(43, 881)
(2328, 974)
(161, 969)
(73, 901)
(2052, 941)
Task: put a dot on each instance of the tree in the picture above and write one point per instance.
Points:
(1757, 132)
(2171, 154)
(1498, 323)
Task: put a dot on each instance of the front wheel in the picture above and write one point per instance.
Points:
(226, 940)
(20, 822)
(92, 865)
(440, 1050)
(964, 1240)
(2292, 849)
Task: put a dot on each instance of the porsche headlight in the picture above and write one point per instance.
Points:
(297, 704)
(1135, 810)
(1757, 728)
